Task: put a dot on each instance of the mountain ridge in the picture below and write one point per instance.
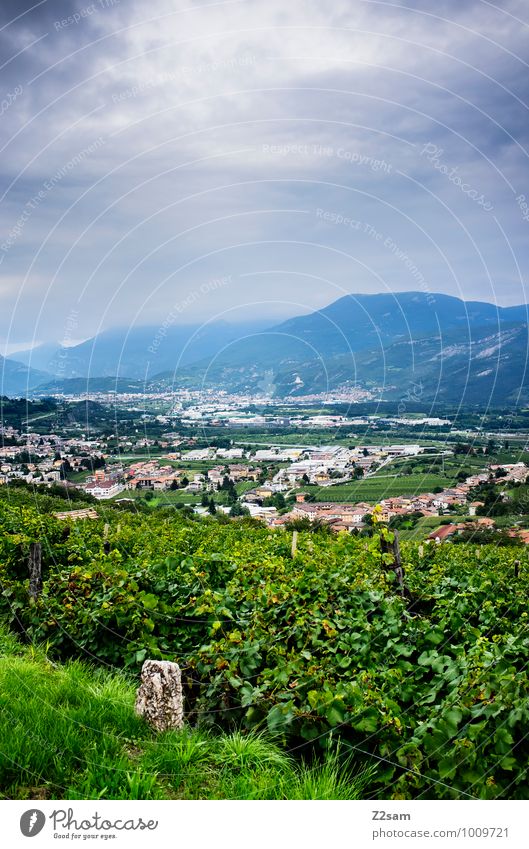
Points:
(452, 349)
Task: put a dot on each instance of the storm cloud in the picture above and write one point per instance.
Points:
(300, 151)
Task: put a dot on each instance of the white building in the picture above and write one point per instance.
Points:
(104, 489)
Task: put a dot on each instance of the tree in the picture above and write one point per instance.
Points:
(204, 501)
(238, 510)
(463, 448)
(211, 507)
(65, 469)
(276, 500)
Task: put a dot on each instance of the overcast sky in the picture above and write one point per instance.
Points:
(256, 158)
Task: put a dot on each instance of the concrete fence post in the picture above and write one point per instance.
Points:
(159, 697)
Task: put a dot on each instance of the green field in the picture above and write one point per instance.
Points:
(180, 496)
(79, 477)
(426, 525)
(376, 488)
(358, 436)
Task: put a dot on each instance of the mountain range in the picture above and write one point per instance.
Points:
(398, 346)
(17, 379)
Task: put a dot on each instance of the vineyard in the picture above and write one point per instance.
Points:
(311, 644)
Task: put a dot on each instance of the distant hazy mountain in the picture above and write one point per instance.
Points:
(359, 322)
(408, 344)
(137, 353)
(17, 379)
(40, 358)
(402, 346)
(82, 385)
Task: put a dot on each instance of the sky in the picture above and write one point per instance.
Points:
(247, 160)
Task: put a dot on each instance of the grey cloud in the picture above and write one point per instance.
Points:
(222, 132)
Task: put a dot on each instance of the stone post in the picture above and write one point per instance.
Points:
(159, 697)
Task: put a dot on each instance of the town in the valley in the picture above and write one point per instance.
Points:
(302, 463)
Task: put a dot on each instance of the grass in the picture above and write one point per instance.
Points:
(79, 477)
(70, 732)
(376, 488)
(180, 496)
(426, 525)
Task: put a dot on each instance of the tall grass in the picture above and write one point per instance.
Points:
(70, 732)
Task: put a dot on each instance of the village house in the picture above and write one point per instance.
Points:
(473, 507)
(216, 475)
(349, 514)
(104, 489)
(242, 473)
(444, 532)
(263, 492)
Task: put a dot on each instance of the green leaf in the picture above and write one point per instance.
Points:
(149, 601)
(453, 717)
(313, 697)
(335, 714)
(503, 741)
(247, 695)
(447, 768)
(368, 722)
(435, 636)
(475, 729)
(275, 720)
